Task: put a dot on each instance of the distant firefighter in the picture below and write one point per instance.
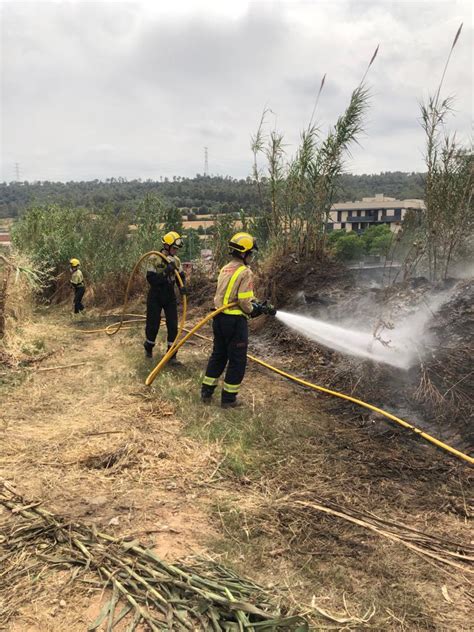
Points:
(77, 282)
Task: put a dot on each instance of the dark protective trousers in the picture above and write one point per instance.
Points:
(230, 349)
(154, 306)
(78, 294)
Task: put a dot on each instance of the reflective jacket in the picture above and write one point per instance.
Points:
(77, 279)
(235, 284)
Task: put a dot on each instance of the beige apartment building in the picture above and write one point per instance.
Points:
(371, 211)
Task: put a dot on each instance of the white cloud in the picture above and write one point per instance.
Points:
(99, 89)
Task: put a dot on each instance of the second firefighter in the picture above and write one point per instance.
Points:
(161, 278)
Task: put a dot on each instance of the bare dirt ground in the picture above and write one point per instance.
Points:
(92, 443)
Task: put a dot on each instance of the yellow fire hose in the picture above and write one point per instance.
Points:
(164, 360)
(359, 402)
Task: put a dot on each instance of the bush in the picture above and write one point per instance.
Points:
(223, 229)
(381, 236)
(334, 237)
(376, 240)
(381, 245)
(192, 245)
(349, 247)
(107, 246)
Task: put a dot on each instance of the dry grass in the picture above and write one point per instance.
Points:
(283, 444)
(374, 469)
(96, 446)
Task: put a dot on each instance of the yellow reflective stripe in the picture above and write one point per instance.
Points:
(249, 294)
(210, 381)
(234, 312)
(231, 388)
(230, 285)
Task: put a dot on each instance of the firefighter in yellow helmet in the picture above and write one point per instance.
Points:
(161, 278)
(77, 283)
(230, 327)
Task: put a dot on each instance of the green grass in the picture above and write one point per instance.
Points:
(34, 347)
(245, 437)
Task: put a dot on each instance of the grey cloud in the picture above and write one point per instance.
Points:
(108, 89)
(212, 131)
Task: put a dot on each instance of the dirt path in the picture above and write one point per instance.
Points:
(97, 446)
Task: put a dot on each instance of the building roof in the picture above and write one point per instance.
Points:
(378, 202)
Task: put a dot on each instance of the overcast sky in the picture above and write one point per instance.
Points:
(138, 89)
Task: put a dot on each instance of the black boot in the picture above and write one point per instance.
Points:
(233, 404)
(206, 393)
(174, 360)
(148, 349)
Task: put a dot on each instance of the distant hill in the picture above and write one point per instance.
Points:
(202, 194)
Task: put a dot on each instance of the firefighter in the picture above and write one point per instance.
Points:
(77, 282)
(161, 296)
(230, 327)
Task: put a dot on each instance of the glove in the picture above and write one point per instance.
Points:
(183, 291)
(268, 308)
(262, 308)
(257, 309)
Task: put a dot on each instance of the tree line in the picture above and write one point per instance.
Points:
(201, 195)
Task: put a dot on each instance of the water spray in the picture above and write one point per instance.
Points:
(399, 352)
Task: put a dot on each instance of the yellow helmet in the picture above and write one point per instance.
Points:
(243, 243)
(172, 239)
(74, 263)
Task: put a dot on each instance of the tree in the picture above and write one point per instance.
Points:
(380, 234)
(349, 247)
(297, 198)
(173, 220)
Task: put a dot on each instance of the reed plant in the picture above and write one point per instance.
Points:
(296, 193)
(448, 220)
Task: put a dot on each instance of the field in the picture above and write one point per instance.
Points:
(351, 522)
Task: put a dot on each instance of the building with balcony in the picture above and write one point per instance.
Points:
(372, 211)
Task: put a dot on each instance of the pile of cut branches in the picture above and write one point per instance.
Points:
(144, 588)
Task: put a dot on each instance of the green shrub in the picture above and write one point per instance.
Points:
(381, 244)
(105, 243)
(381, 236)
(192, 245)
(349, 247)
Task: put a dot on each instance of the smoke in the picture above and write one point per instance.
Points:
(463, 270)
(398, 344)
